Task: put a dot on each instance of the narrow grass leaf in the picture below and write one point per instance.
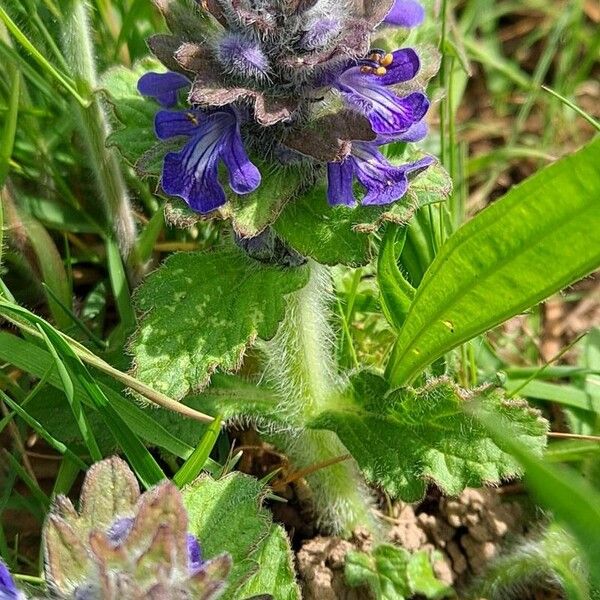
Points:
(192, 467)
(87, 434)
(41, 431)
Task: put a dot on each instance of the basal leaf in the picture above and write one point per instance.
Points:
(227, 516)
(201, 310)
(275, 576)
(407, 438)
(533, 242)
(337, 234)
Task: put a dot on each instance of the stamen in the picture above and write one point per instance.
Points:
(387, 60)
(381, 71)
(192, 117)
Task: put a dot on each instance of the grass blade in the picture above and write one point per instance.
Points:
(195, 463)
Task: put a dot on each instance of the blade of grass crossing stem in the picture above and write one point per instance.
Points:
(142, 462)
(41, 431)
(570, 497)
(80, 416)
(32, 359)
(195, 463)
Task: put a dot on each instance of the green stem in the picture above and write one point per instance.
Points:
(300, 364)
(94, 126)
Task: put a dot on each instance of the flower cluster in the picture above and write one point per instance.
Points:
(288, 81)
(125, 545)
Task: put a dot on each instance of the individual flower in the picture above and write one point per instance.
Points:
(384, 183)
(8, 589)
(368, 89)
(125, 545)
(192, 173)
(405, 13)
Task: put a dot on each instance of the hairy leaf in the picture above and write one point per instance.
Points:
(337, 234)
(275, 575)
(201, 310)
(521, 249)
(227, 516)
(407, 438)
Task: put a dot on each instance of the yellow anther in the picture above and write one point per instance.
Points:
(366, 69)
(192, 117)
(380, 71)
(386, 60)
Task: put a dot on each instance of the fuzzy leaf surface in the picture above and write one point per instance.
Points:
(201, 310)
(226, 515)
(275, 576)
(404, 439)
(334, 235)
(531, 243)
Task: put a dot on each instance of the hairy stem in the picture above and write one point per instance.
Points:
(300, 364)
(94, 126)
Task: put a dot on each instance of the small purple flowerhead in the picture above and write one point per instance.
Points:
(242, 57)
(125, 545)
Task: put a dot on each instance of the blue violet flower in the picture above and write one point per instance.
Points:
(268, 76)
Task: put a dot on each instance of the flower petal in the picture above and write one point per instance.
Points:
(8, 589)
(405, 13)
(192, 173)
(163, 87)
(339, 179)
(195, 561)
(171, 123)
(388, 113)
(415, 133)
(405, 66)
(244, 177)
(384, 182)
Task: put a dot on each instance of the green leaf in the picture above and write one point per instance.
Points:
(404, 439)
(227, 516)
(422, 579)
(396, 293)
(338, 234)
(275, 576)
(526, 246)
(394, 574)
(252, 213)
(232, 397)
(383, 570)
(133, 111)
(201, 311)
(323, 232)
